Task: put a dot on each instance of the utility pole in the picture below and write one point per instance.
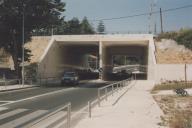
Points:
(161, 18)
(52, 32)
(155, 29)
(152, 18)
(23, 41)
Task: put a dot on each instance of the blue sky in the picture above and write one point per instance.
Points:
(99, 9)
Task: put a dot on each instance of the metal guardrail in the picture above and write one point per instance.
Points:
(5, 82)
(30, 81)
(113, 87)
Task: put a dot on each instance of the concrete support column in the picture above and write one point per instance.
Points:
(101, 75)
(100, 54)
(151, 60)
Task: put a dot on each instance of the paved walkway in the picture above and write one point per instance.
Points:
(136, 109)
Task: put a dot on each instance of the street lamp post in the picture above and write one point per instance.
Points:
(23, 41)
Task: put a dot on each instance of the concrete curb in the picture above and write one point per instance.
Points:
(22, 88)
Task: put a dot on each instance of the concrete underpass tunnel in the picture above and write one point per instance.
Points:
(127, 50)
(69, 55)
(80, 57)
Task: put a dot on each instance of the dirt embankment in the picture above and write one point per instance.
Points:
(169, 52)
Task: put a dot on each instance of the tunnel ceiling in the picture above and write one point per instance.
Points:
(78, 43)
(81, 49)
(126, 43)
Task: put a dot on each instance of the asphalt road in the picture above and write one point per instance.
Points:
(44, 99)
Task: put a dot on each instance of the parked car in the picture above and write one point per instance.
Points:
(70, 78)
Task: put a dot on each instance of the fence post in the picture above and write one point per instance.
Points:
(46, 81)
(121, 85)
(98, 96)
(40, 81)
(5, 81)
(106, 94)
(117, 87)
(19, 81)
(69, 115)
(89, 109)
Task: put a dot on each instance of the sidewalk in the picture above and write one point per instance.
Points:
(135, 109)
(15, 87)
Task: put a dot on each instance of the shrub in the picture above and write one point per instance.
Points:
(183, 37)
(172, 85)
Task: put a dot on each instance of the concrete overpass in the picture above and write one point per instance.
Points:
(69, 51)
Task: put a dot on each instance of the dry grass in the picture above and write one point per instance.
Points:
(177, 111)
(172, 86)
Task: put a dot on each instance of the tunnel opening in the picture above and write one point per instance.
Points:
(80, 58)
(125, 61)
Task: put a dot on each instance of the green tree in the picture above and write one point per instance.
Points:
(74, 26)
(101, 28)
(184, 37)
(86, 27)
(37, 14)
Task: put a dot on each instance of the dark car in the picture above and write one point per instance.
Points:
(70, 78)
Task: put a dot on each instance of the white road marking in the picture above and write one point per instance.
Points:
(37, 96)
(3, 108)
(23, 119)
(7, 101)
(12, 113)
(19, 90)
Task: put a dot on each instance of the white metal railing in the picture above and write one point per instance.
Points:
(131, 68)
(5, 82)
(105, 91)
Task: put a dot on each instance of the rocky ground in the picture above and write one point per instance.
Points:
(177, 110)
(169, 52)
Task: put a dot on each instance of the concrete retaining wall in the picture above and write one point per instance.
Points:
(164, 72)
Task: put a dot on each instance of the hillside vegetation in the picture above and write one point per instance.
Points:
(182, 37)
(174, 47)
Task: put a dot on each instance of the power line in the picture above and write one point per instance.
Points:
(143, 14)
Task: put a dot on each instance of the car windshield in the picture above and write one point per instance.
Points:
(69, 74)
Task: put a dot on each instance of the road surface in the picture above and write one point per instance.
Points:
(18, 108)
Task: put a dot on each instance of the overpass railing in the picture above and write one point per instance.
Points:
(108, 90)
(131, 68)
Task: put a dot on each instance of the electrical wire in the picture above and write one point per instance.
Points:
(143, 14)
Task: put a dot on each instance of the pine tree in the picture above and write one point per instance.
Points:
(101, 28)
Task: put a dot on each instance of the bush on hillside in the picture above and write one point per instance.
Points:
(183, 37)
